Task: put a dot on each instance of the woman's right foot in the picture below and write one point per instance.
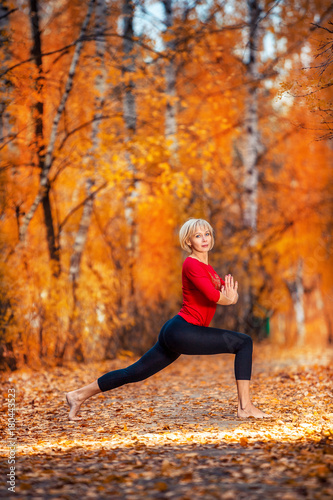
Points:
(74, 405)
(251, 411)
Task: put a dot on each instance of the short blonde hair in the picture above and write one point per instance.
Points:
(189, 228)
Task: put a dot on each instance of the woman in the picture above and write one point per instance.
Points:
(188, 332)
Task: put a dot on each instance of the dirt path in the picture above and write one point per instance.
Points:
(175, 435)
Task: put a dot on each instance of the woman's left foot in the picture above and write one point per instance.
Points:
(251, 411)
(74, 405)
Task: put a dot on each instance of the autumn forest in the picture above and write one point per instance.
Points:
(122, 119)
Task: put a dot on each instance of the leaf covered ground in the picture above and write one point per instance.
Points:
(176, 434)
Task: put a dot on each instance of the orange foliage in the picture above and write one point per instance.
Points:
(144, 195)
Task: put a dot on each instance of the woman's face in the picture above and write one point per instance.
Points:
(201, 240)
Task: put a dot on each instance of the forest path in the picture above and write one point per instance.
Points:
(176, 434)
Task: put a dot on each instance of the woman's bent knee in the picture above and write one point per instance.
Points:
(248, 342)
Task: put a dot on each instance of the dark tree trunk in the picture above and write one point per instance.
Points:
(36, 53)
(47, 160)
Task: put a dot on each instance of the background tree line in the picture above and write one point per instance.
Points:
(120, 120)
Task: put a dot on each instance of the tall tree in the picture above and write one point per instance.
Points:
(100, 88)
(89, 161)
(49, 148)
(36, 53)
(130, 122)
(7, 356)
(170, 81)
(251, 125)
(128, 66)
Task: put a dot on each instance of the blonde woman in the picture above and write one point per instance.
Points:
(188, 332)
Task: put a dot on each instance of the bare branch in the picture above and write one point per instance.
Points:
(75, 209)
(301, 42)
(82, 126)
(21, 63)
(321, 27)
(7, 14)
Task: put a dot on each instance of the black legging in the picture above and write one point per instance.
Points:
(178, 337)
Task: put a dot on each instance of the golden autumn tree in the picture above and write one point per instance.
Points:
(113, 134)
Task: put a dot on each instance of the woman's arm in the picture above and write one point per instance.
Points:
(228, 293)
(194, 272)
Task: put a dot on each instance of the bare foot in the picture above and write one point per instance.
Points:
(74, 405)
(251, 411)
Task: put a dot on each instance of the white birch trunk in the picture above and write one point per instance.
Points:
(129, 105)
(85, 221)
(100, 83)
(170, 90)
(250, 153)
(81, 235)
(53, 135)
(252, 136)
(130, 119)
(128, 66)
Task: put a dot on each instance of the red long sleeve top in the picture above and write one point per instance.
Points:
(201, 291)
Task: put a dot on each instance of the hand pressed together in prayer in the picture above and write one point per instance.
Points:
(229, 290)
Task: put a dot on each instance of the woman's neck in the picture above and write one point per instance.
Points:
(201, 257)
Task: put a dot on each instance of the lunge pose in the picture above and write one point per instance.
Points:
(188, 332)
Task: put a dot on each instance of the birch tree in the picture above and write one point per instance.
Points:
(250, 150)
(170, 82)
(36, 53)
(85, 221)
(128, 66)
(100, 85)
(251, 126)
(44, 184)
(130, 122)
